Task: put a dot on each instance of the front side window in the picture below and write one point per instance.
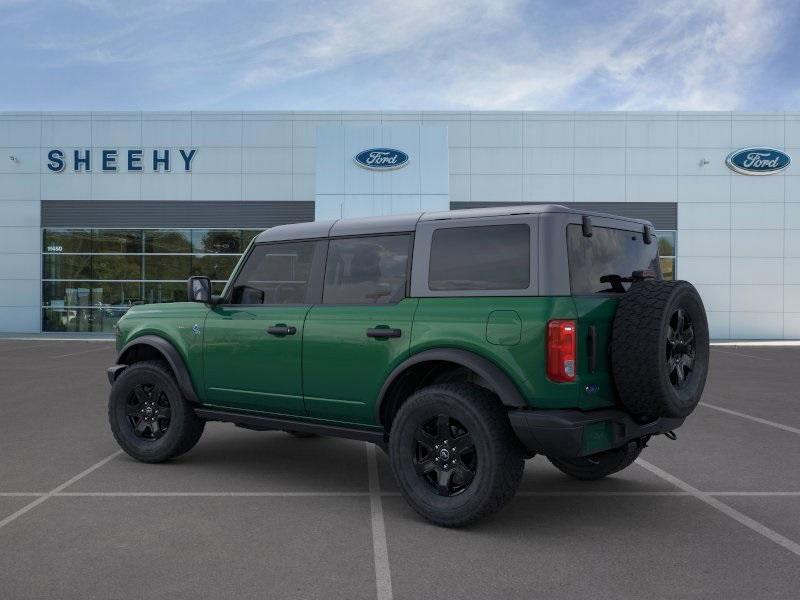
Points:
(366, 270)
(487, 257)
(275, 274)
(595, 260)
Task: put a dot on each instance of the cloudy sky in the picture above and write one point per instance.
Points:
(394, 54)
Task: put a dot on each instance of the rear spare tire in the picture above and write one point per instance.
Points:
(659, 348)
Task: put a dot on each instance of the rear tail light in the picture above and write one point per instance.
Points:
(561, 350)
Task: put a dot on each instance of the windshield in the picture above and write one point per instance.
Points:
(608, 252)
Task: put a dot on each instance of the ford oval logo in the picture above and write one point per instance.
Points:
(758, 161)
(381, 159)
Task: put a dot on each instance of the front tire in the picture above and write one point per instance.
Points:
(454, 454)
(149, 417)
(602, 464)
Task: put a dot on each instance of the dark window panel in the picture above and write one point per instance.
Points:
(667, 268)
(117, 267)
(606, 252)
(366, 270)
(95, 320)
(275, 274)
(214, 266)
(490, 257)
(666, 243)
(247, 237)
(167, 267)
(67, 240)
(117, 240)
(164, 292)
(168, 241)
(90, 293)
(67, 267)
(223, 241)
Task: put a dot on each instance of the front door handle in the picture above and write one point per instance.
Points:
(383, 332)
(281, 329)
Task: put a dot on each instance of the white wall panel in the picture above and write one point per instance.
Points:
(599, 161)
(716, 298)
(704, 188)
(116, 134)
(460, 188)
(756, 271)
(791, 298)
(56, 133)
(20, 319)
(719, 325)
(496, 161)
(791, 325)
(116, 186)
(651, 188)
(597, 134)
(662, 133)
(66, 186)
(599, 188)
(761, 132)
(267, 187)
(756, 325)
(548, 161)
(27, 159)
(704, 215)
(757, 216)
(756, 243)
(767, 298)
(15, 240)
(20, 133)
(217, 187)
(459, 161)
(166, 186)
(547, 188)
(704, 242)
(758, 189)
(791, 243)
(20, 213)
(303, 160)
(457, 131)
(496, 188)
(652, 161)
(216, 160)
(218, 133)
(268, 160)
(545, 133)
(704, 134)
(709, 270)
(496, 133)
(20, 266)
(791, 271)
(19, 186)
(303, 187)
(267, 133)
(19, 292)
(164, 133)
(692, 161)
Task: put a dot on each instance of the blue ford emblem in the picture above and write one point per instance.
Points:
(758, 161)
(381, 159)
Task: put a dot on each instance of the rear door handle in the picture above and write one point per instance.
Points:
(383, 332)
(281, 329)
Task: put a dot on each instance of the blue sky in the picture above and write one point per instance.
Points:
(390, 54)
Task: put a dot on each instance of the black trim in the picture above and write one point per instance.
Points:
(494, 375)
(113, 372)
(383, 332)
(264, 423)
(173, 357)
(560, 433)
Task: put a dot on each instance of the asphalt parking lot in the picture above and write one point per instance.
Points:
(715, 514)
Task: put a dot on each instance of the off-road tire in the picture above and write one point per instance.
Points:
(597, 466)
(643, 344)
(497, 454)
(184, 427)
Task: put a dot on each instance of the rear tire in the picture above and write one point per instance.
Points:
(454, 454)
(602, 464)
(149, 417)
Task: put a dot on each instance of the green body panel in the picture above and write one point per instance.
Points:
(343, 369)
(174, 323)
(247, 368)
(597, 389)
(466, 323)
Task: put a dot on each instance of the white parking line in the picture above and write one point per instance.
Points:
(212, 494)
(383, 578)
(81, 352)
(58, 489)
(734, 514)
(752, 418)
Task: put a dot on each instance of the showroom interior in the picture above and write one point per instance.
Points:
(100, 211)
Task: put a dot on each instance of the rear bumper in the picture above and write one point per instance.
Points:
(574, 433)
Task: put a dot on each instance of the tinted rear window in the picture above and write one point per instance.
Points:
(607, 252)
(490, 257)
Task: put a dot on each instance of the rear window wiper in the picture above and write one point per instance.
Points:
(616, 280)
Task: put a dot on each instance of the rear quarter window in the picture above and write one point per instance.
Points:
(488, 257)
(607, 252)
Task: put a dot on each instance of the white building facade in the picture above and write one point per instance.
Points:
(102, 210)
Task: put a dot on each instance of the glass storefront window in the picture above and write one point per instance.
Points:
(67, 240)
(172, 241)
(166, 267)
(117, 266)
(214, 266)
(223, 241)
(666, 252)
(67, 266)
(90, 293)
(124, 241)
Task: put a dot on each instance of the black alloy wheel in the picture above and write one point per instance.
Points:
(680, 348)
(445, 455)
(148, 411)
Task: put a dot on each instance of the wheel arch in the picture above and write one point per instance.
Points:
(492, 377)
(149, 347)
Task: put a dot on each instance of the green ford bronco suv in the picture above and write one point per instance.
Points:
(460, 342)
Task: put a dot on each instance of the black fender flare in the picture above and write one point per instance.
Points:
(502, 384)
(173, 358)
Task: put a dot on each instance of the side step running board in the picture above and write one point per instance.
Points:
(263, 423)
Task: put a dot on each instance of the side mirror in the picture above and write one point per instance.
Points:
(199, 289)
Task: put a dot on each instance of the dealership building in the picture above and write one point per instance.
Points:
(101, 210)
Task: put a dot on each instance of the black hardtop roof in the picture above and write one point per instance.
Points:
(408, 222)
